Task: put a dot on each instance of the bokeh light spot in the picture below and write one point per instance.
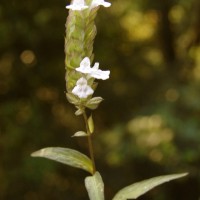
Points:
(24, 112)
(154, 56)
(195, 54)
(171, 95)
(47, 94)
(28, 57)
(149, 131)
(139, 26)
(176, 14)
(6, 62)
(155, 155)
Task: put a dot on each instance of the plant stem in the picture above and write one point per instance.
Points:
(89, 136)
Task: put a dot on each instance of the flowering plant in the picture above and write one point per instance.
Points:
(80, 85)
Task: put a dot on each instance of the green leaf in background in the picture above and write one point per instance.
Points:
(137, 189)
(95, 186)
(66, 156)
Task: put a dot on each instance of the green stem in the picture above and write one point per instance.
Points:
(91, 151)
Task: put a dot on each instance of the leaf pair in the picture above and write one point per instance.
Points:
(92, 103)
(95, 187)
(94, 184)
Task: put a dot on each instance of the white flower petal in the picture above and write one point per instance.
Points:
(81, 81)
(99, 74)
(94, 72)
(82, 90)
(96, 3)
(84, 66)
(77, 5)
(96, 66)
(85, 62)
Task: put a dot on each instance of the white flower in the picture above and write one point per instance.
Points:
(84, 66)
(77, 5)
(82, 89)
(94, 72)
(96, 3)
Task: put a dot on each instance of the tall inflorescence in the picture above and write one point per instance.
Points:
(80, 33)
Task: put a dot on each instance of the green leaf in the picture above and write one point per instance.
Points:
(66, 156)
(137, 189)
(80, 134)
(94, 103)
(72, 98)
(79, 112)
(91, 124)
(95, 186)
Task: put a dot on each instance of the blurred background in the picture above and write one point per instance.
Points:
(149, 123)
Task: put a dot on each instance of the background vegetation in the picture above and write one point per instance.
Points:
(148, 124)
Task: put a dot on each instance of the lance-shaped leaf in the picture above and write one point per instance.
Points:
(95, 186)
(66, 156)
(137, 189)
(80, 134)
